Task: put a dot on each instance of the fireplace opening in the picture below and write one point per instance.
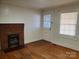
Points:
(13, 40)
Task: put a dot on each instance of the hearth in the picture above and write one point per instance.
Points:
(13, 40)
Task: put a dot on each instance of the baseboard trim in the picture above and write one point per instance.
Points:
(62, 46)
(52, 44)
(25, 45)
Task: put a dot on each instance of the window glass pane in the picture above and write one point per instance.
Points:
(68, 23)
(47, 21)
(69, 18)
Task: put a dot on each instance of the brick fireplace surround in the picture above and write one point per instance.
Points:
(7, 29)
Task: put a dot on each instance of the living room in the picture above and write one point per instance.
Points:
(40, 21)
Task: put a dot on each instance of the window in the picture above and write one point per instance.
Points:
(68, 23)
(47, 21)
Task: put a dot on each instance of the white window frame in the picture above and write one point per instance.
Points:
(44, 25)
(75, 24)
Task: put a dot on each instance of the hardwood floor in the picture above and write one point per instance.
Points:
(41, 50)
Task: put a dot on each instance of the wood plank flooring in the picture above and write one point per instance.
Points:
(41, 50)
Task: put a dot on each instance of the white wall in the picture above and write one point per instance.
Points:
(53, 35)
(31, 19)
(17, 14)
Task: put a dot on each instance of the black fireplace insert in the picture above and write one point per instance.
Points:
(13, 40)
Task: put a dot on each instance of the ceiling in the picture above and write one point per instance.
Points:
(39, 4)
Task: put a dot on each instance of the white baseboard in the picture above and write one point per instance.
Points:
(64, 46)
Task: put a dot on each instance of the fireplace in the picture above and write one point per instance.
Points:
(11, 36)
(13, 40)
